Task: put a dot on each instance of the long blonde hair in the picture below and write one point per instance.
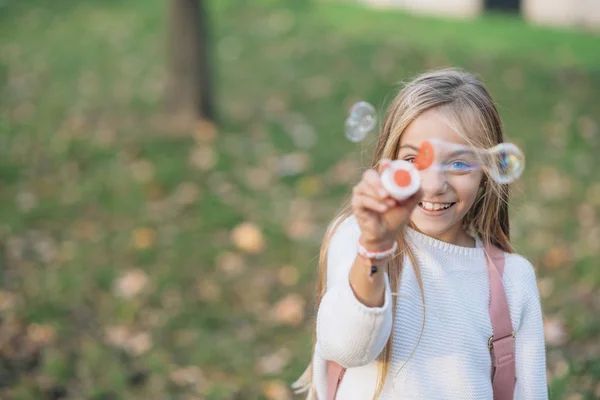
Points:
(468, 108)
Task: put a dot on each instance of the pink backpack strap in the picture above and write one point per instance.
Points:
(501, 343)
(335, 373)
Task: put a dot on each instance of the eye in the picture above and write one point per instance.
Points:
(460, 166)
(410, 159)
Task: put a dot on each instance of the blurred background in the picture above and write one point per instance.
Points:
(168, 169)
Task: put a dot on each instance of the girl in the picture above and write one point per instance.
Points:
(432, 342)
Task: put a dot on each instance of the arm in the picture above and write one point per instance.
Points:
(350, 331)
(530, 348)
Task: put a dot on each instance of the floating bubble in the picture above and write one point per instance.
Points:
(504, 162)
(508, 163)
(360, 122)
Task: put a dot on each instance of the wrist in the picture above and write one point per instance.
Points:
(375, 258)
(376, 245)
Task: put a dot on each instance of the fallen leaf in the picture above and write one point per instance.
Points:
(276, 390)
(292, 164)
(142, 171)
(225, 190)
(586, 215)
(191, 375)
(546, 286)
(208, 290)
(117, 336)
(258, 178)
(171, 301)
(203, 158)
(185, 337)
(289, 310)
(154, 191)
(187, 193)
(105, 137)
(304, 135)
(561, 369)
(15, 247)
(205, 132)
(588, 128)
(66, 251)
(46, 249)
(139, 344)
(70, 194)
(247, 333)
(557, 257)
(345, 172)
(275, 104)
(575, 396)
(7, 300)
(85, 229)
(41, 334)
(300, 228)
(274, 363)
(554, 331)
(553, 184)
(248, 237)
(130, 284)
(288, 275)
(143, 238)
(309, 186)
(230, 263)
(26, 201)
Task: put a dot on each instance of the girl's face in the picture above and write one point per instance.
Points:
(456, 184)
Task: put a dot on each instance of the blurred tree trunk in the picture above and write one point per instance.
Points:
(189, 91)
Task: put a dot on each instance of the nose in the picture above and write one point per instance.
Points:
(433, 182)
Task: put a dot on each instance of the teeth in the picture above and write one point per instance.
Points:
(434, 206)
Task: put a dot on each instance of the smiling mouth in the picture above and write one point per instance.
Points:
(433, 207)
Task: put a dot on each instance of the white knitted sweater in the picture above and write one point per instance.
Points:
(452, 361)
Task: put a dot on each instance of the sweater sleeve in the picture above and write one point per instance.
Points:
(530, 347)
(348, 332)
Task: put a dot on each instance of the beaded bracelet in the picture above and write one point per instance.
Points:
(374, 256)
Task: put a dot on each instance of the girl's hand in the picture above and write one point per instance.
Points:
(380, 216)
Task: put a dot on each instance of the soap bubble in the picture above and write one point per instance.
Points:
(508, 163)
(360, 122)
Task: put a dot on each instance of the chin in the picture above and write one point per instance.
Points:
(430, 230)
(433, 228)
(436, 226)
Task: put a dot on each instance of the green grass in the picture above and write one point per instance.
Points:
(80, 105)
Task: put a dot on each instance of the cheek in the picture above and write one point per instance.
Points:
(467, 189)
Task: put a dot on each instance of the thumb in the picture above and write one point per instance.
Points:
(400, 215)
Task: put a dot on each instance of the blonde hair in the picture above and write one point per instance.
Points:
(468, 109)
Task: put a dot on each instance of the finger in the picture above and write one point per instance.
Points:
(371, 177)
(364, 202)
(367, 189)
(396, 216)
(412, 200)
(383, 164)
(376, 189)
